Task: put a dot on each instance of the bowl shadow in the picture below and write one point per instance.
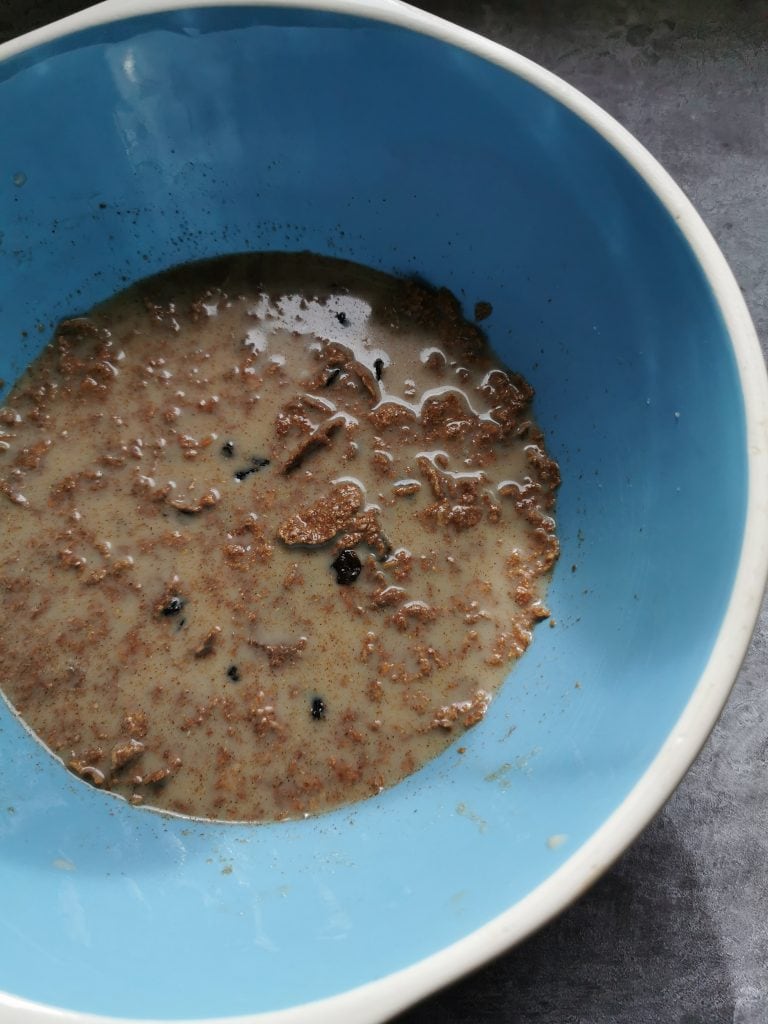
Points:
(632, 949)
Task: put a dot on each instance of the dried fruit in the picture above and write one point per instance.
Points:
(257, 463)
(348, 566)
(173, 606)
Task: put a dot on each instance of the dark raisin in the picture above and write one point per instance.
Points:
(348, 566)
(378, 366)
(342, 318)
(318, 708)
(257, 463)
(234, 673)
(227, 449)
(173, 606)
(332, 377)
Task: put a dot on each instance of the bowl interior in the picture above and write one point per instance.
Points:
(147, 142)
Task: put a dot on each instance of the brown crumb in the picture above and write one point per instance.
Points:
(468, 711)
(319, 438)
(414, 610)
(208, 644)
(406, 488)
(365, 528)
(509, 395)
(391, 414)
(281, 654)
(320, 522)
(387, 596)
(263, 718)
(136, 724)
(30, 458)
(375, 691)
(194, 505)
(293, 578)
(126, 752)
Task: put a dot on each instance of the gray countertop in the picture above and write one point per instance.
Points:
(677, 931)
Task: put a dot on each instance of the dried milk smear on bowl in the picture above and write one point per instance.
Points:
(274, 527)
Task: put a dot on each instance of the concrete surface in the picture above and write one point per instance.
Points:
(677, 932)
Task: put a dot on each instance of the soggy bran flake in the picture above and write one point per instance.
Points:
(320, 522)
(275, 528)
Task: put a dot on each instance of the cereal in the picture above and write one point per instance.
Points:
(275, 527)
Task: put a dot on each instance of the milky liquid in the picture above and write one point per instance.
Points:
(274, 529)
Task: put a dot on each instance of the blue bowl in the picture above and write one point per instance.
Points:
(374, 132)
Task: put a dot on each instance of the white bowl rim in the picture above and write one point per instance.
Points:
(378, 1000)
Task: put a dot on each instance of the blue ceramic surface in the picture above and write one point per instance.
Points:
(135, 146)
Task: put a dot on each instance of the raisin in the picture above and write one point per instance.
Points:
(342, 318)
(348, 566)
(227, 449)
(257, 463)
(332, 377)
(318, 708)
(378, 366)
(173, 606)
(233, 673)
